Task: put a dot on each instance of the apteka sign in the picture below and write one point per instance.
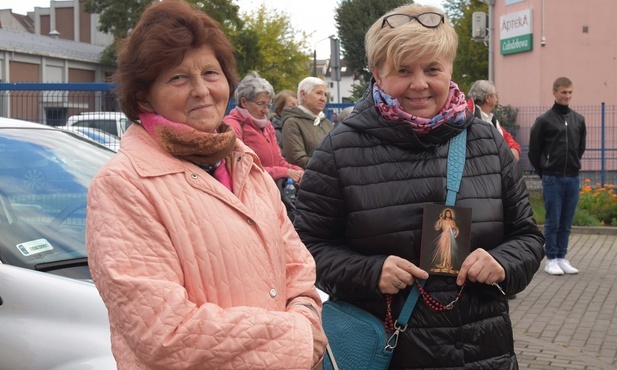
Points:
(515, 32)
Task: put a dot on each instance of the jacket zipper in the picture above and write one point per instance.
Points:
(565, 120)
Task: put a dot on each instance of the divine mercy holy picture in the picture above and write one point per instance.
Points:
(446, 232)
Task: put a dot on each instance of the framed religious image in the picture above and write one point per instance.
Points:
(446, 235)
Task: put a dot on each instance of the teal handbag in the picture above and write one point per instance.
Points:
(357, 339)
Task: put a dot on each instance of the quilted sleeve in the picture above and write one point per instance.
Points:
(320, 222)
(301, 292)
(137, 271)
(522, 248)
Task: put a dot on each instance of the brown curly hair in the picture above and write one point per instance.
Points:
(166, 30)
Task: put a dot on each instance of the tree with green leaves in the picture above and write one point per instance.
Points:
(264, 40)
(117, 17)
(353, 18)
(471, 62)
(270, 46)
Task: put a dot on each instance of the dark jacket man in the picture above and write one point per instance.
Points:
(557, 142)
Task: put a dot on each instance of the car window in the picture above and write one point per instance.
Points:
(44, 180)
(101, 124)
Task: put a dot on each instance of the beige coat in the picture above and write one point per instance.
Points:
(193, 276)
(301, 136)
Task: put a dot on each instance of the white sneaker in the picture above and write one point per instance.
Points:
(566, 267)
(552, 267)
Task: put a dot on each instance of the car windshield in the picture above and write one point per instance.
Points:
(44, 180)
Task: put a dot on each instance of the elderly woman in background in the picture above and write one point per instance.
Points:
(188, 241)
(304, 126)
(282, 100)
(249, 119)
(360, 204)
(344, 114)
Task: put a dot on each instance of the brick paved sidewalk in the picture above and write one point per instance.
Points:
(570, 321)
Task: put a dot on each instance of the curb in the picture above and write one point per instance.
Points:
(593, 230)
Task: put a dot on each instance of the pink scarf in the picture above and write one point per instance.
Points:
(453, 112)
(203, 148)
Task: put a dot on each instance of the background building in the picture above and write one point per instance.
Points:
(536, 41)
(59, 44)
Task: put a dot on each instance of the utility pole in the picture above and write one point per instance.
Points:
(482, 30)
(335, 65)
(315, 54)
(491, 29)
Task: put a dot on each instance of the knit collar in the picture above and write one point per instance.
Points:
(183, 141)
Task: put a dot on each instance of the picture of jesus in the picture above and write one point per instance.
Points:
(444, 255)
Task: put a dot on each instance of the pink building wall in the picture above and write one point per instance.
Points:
(589, 58)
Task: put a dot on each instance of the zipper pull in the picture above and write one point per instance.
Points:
(498, 287)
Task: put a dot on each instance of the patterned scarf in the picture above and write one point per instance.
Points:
(183, 141)
(453, 111)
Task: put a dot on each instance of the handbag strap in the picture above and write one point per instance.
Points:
(456, 162)
(410, 303)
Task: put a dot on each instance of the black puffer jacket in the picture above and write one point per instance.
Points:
(361, 200)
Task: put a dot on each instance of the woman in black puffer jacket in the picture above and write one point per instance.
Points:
(360, 205)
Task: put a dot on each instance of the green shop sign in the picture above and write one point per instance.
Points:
(517, 44)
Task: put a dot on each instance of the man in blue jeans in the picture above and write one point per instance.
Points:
(556, 146)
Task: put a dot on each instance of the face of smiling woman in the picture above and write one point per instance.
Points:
(420, 85)
(194, 93)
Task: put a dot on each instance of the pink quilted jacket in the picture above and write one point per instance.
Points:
(193, 276)
(262, 142)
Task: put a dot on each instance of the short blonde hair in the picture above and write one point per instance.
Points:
(393, 45)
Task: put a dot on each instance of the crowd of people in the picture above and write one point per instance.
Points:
(197, 259)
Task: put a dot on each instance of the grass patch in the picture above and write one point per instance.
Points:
(582, 217)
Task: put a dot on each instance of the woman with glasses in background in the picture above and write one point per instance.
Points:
(360, 205)
(249, 119)
(305, 125)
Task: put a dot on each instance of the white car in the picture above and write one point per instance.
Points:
(104, 138)
(114, 123)
(51, 322)
(51, 314)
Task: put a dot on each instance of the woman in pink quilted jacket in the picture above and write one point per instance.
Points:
(249, 119)
(189, 243)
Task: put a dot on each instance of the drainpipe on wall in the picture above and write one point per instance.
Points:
(542, 38)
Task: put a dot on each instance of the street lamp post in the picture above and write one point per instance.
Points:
(315, 53)
(491, 29)
(335, 65)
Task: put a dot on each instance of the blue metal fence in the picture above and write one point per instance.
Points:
(53, 103)
(599, 163)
